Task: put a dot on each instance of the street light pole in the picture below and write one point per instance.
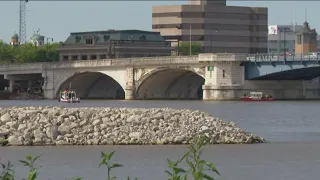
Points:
(284, 44)
(190, 47)
(211, 40)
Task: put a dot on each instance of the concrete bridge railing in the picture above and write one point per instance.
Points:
(103, 63)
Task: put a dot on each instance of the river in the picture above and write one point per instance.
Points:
(291, 127)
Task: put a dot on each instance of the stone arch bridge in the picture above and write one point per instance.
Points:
(206, 76)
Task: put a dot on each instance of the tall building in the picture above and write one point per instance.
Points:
(214, 25)
(113, 44)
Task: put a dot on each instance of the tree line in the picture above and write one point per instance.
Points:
(28, 53)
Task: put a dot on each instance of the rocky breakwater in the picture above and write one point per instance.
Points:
(93, 126)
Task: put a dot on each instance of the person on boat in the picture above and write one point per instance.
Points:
(245, 95)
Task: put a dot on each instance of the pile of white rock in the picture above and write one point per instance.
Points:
(101, 126)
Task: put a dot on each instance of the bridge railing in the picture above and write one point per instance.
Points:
(102, 63)
(124, 62)
(24, 66)
(155, 61)
(281, 57)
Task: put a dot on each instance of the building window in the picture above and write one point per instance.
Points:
(103, 56)
(223, 73)
(93, 57)
(84, 57)
(65, 58)
(89, 41)
(74, 57)
(106, 37)
(299, 39)
(78, 39)
(273, 41)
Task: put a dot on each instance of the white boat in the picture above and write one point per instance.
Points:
(69, 97)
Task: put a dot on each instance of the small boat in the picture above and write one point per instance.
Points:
(69, 97)
(257, 96)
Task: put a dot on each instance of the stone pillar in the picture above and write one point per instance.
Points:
(130, 88)
(48, 85)
(11, 83)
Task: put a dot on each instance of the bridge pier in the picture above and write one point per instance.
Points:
(220, 93)
(224, 76)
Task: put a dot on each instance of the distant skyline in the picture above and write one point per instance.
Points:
(56, 19)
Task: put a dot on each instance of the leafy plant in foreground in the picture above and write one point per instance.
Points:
(106, 158)
(7, 172)
(197, 165)
(29, 162)
(175, 173)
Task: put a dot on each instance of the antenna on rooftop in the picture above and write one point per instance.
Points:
(306, 14)
(294, 20)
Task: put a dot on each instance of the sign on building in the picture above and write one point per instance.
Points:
(273, 29)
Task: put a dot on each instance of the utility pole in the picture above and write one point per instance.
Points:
(190, 46)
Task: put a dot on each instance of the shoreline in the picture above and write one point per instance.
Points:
(59, 126)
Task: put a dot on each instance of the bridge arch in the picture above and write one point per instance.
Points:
(93, 85)
(170, 83)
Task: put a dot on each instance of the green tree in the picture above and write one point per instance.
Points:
(184, 48)
(28, 53)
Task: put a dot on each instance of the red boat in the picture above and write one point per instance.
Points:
(257, 96)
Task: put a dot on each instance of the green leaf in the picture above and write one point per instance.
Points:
(25, 163)
(28, 157)
(168, 172)
(178, 170)
(32, 175)
(35, 158)
(103, 162)
(110, 155)
(208, 177)
(103, 154)
(115, 166)
(211, 166)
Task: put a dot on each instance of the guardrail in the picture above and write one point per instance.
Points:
(282, 57)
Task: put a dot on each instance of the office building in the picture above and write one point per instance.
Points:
(281, 38)
(214, 25)
(113, 44)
